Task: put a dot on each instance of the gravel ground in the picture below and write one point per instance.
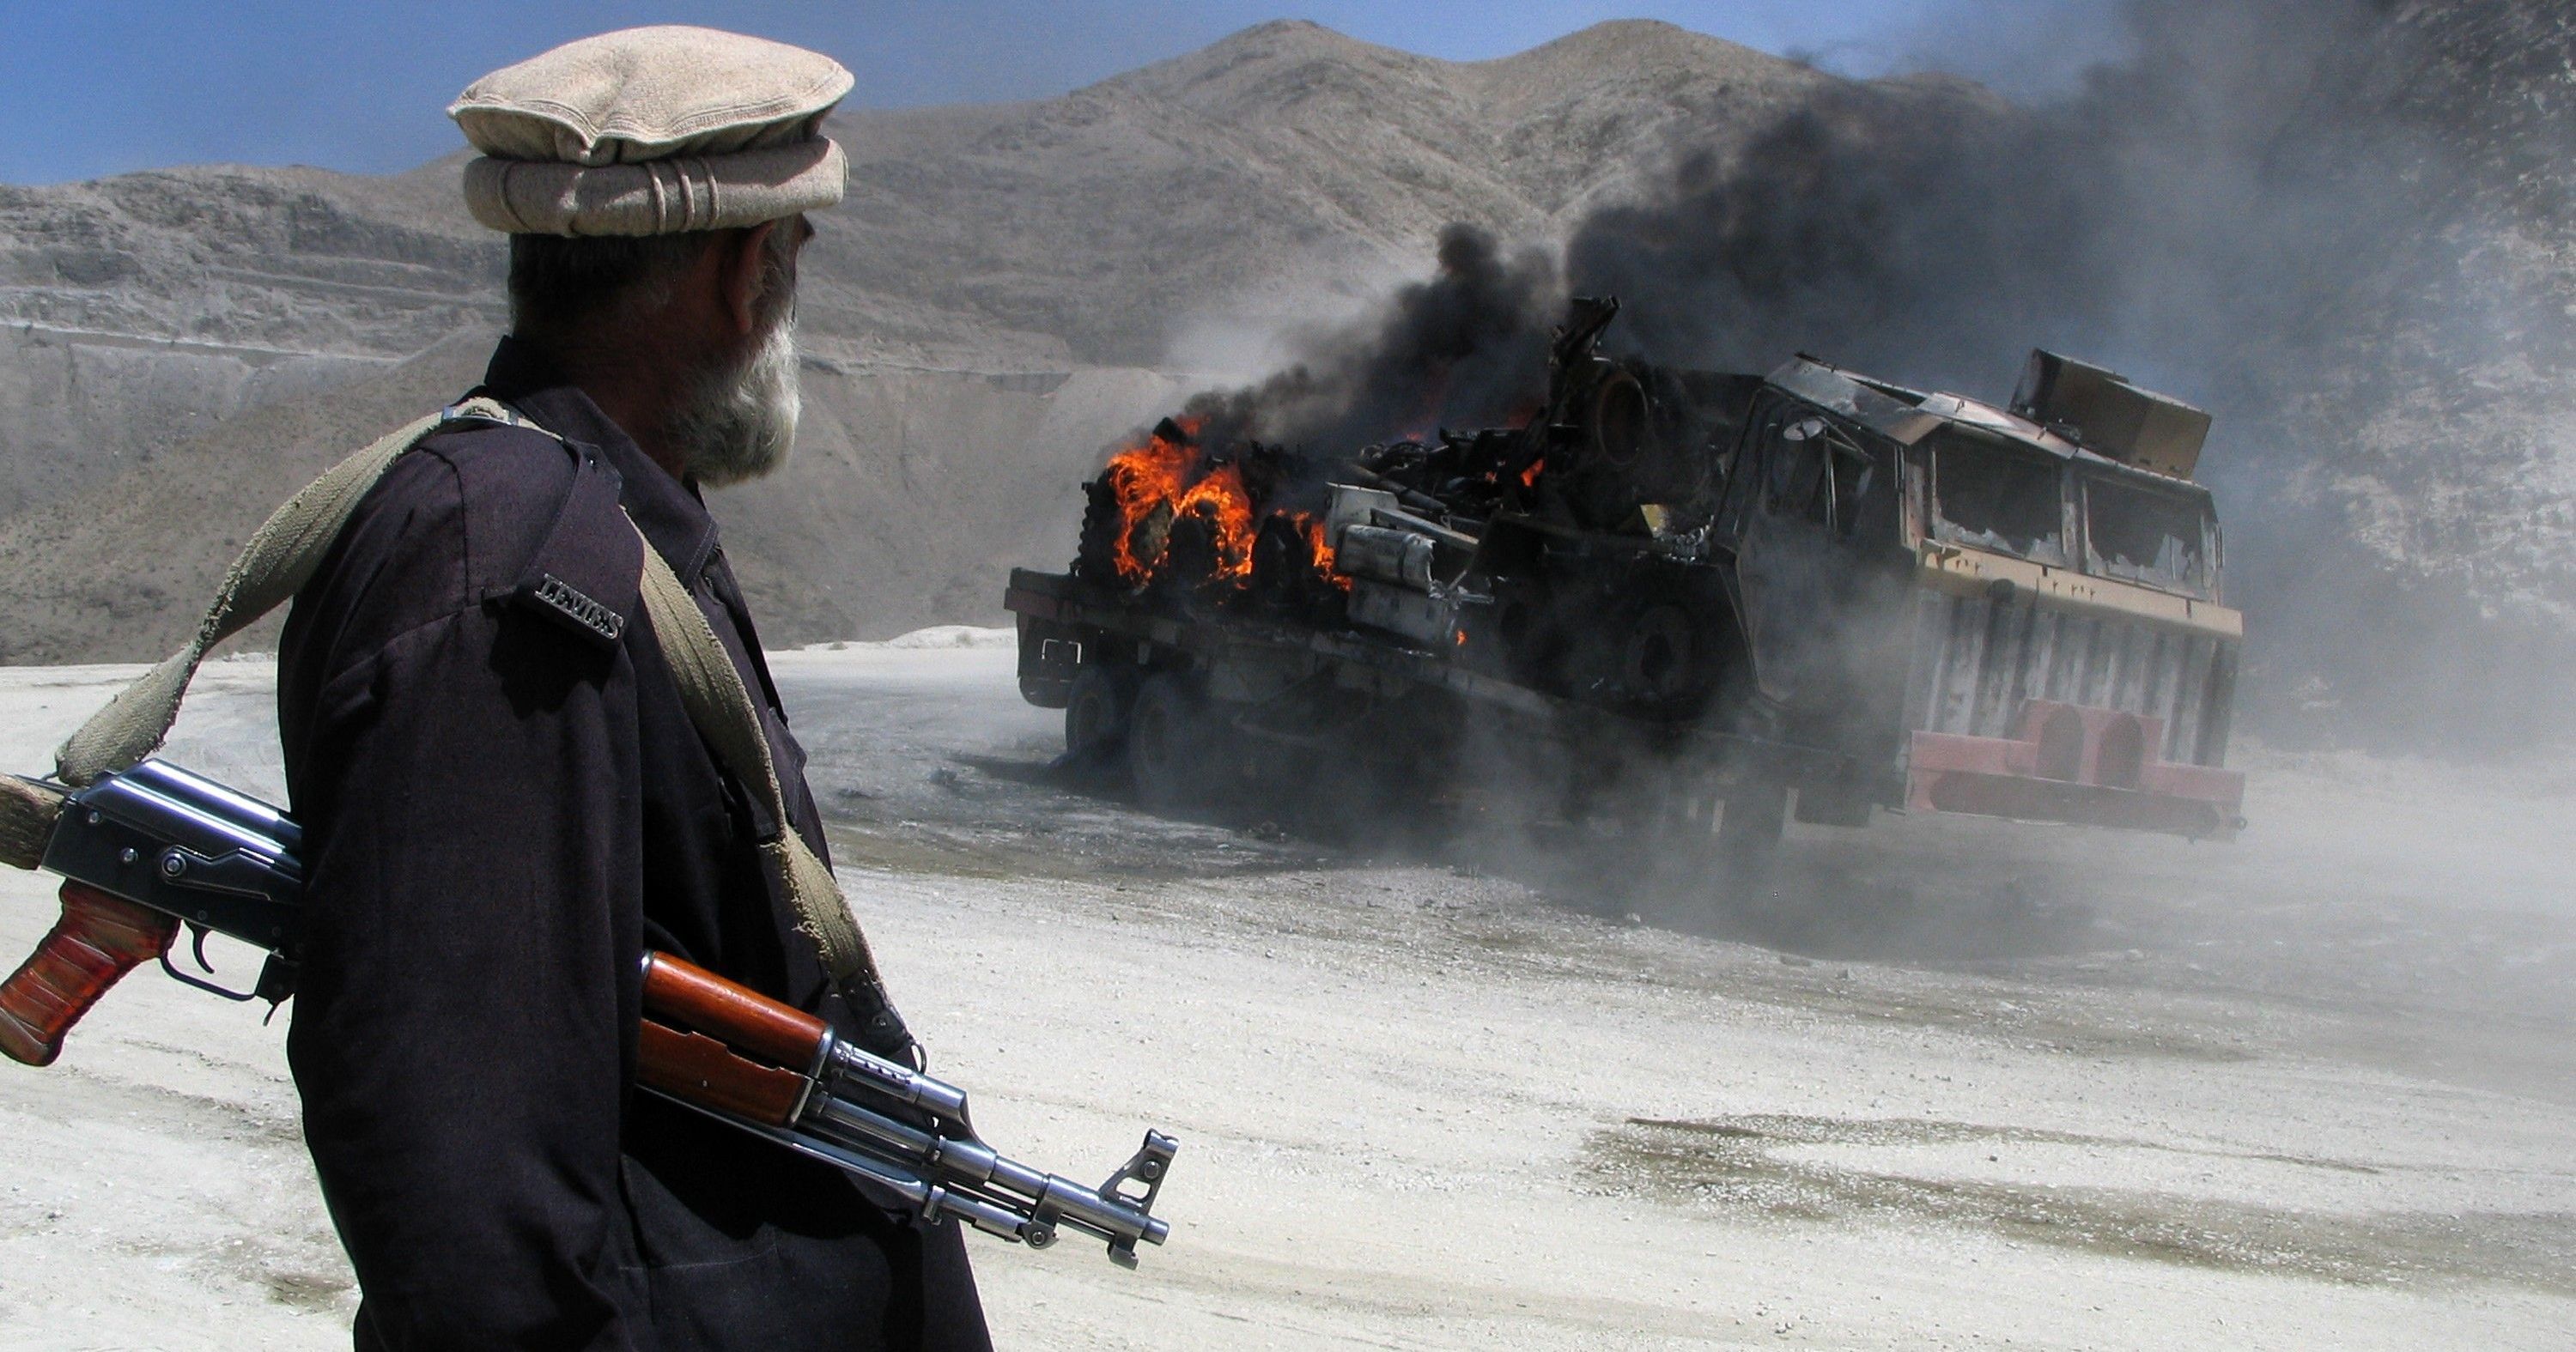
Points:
(1952, 1084)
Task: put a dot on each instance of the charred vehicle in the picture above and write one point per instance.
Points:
(1681, 599)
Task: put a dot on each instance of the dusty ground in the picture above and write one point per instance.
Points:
(1956, 1084)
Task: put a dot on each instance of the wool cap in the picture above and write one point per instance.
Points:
(652, 131)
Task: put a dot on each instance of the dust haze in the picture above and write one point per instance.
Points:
(2270, 208)
(2277, 209)
(2260, 210)
(2046, 1085)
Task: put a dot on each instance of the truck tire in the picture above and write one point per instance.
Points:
(1171, 747)
(1096, 713)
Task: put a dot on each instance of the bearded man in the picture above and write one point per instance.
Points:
(504, 800)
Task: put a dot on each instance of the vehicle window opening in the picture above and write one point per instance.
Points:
(2145, 536)
(1805, 474)
(1992, 496)
(1793, 474)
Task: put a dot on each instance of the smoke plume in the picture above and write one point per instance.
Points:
(1464, 348)
(2321, 219)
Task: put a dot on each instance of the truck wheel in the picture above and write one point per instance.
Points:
(1096, 713)
(1170, 744)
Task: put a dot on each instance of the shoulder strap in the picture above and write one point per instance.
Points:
(725, 715)
(280, 557)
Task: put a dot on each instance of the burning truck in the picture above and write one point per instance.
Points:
(1687, 602)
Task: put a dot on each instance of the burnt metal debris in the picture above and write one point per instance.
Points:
(1687, 593)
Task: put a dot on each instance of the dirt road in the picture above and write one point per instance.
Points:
(1956, 1085)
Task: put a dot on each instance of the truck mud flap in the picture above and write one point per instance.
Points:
(1050, 653)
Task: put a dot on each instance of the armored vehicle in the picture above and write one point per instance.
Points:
(1686, 600)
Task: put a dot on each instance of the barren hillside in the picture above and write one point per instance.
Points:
(2350, 235)
(1233, 186)
(1007, 288)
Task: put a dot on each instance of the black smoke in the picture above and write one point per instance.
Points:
(2273, 208)
(1464, 348)
(2237, 185)
(2284, 210)
(1924, 234)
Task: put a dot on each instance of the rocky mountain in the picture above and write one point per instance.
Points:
(1007, 289)
(1241, 187)
(140, 311)
(2348, 225)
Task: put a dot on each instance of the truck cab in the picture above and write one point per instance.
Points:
(1999, 611)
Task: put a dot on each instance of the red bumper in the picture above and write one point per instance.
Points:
(2098, 767)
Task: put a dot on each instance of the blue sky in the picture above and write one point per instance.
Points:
(92, 87)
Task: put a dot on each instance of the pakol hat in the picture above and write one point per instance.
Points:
(652, 131)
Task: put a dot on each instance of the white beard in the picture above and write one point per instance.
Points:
(739, 422)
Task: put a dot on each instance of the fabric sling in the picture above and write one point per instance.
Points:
(282, 556)
(725, 715)
(279, 559)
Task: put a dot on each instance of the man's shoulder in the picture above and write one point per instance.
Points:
(484, 513)
(448, 514)
(496, 471)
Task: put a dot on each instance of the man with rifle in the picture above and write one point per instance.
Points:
(552, 841)
(553, 844)
(505, 800)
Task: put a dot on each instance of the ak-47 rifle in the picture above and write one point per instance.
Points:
(780, 1072)
(147, 851)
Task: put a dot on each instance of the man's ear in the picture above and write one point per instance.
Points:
(740, 277)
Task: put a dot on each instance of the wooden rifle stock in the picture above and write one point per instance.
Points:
(703, 1071)
(96, 942)
(702, 1060)
(693, 997)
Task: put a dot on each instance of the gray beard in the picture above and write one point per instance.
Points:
(738, 422)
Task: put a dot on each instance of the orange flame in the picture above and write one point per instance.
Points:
(1320, 548)
(1141, 478)
(1161, 480)
(1221, 498)
(1529, 477)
